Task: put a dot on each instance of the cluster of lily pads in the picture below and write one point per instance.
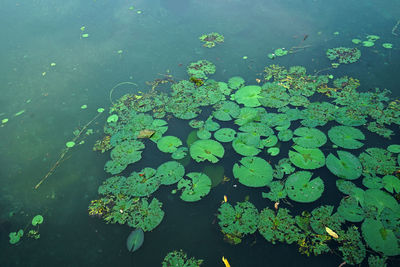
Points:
(344, 55)
(180, 258)
(370, 41)
(327, 134)
(15, 237)
(211, 39)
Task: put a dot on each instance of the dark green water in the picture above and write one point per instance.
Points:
(163, 38)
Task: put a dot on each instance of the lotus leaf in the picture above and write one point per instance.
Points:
(379, 200)
(201, 69)
(195, 188)
(179, 258)
(373, 182)
(239, 220)
(273, 151)
(285, 135)
(299, 101)
(143, 183)
(235, 82)
(196, 124)
(352, 247)
(169, 144)
(350, 210)
(135, 240)
(210, 150)
(38, 219)
(284, 167)
(248, 96)
(247, 115)
(225, 135)
(358, 194)
(309, 137)
(257, 128)
(300, 188)
(180, 153)
(346, 136)
(270, 141)
(278, 227)
(322, 217)
(114, 167)
(377, 161)
(307, 158)
(253, 172)
(347, 166)
(203, 134)
(113, 186)
(344, 186)
(379, 238)
(170, 172)
(247, 144)
(127, 152)
(211, 125)
(226, 111)
(276, 192)
(144, 215)
(391, 183)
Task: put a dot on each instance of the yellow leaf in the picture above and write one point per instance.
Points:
(225, 199)
(225, 262)
(331, 232)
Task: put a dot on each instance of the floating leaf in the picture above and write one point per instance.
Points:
(307, 158)
(346, 137)
(301, 188)
(135, 240)
(38, 219)
(379, 238)
(253, 172)
(170, 172)
(169, 144)
(196, 187)
(247, 144)
(347, 166)
(309, 137)
(225, 135)
(210, 150)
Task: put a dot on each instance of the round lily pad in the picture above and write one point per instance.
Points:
(195, 188)
(394, 148)
(301, 188)
(248, 96)
(307, 158)
(247, 144)
(273, 151)
(112, 118)
(380, 238)
(70, 144)
(38, 219)
(168, 144)
(227, 111)
(253, 172)
(170, 172)
(203, 134)
(350, 210)
(225, 135)
(309, 137)
(346, 166)
(180, 153)
(210, 150)
(143, 183)
(346, 136)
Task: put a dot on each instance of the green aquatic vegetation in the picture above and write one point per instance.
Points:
(371, 181)
(257, 128)
(318, 114)
(203, 134)
(145, 215)
(143, 183)
(211, 125)
(285, 135)
(247, 144)
(377, 161)
(248, 96)
(114, 167)
(210, 150)
(346, 165)
(351, 246)
(253, 172)
(180, 153)
(168, 144)
(125, 153)
(180, 258)
(377, 200)
(235, 222)
(322, 217)
(299, 101)
(226, 111)
(346, 136)
(394, 148)
(391, 183)
(273, 95)
(284, 167)
(15, 236)
(170, 172)
(376, 261)
(195, 188)
(38, 219)
(345, 186)
(247, 115)
(235, 82)
(301, 188)
(350, 116)
(343, 54)
(380, 238)
(387, 45)
(379, 129)
(276, 191)
(307, 158)
(309, 137)
(225, 135)
(350, 210)
(135, 240)
(273, 151)
(196, 124)
(280, 226)
(211, 39)
(270, 141)
(201, 69)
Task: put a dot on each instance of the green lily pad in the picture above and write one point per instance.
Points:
(170, 172)
(135, 240)
(195, 188)
(307, 158)
(309, 137)
(169, 144)
(253, 172)
(15, 236)
(38, 219)
(235, 82)
(248, 96)
(273, 151)
(377, 161)
(301, 188)
(203, 134)
(225, 135)
(391, 183)
(379, 238)
(210, 150)
(143, 183)
(276, 192)
(227, 111)
(347, 166)
(285, 135)
(247, 144)
(180, 153)
(144, 215)
(346, 136)
(350, 210)
(394, 148)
